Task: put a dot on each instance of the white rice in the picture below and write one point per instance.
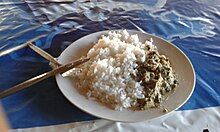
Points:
(107, 76)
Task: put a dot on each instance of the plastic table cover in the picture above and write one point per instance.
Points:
(191, 25)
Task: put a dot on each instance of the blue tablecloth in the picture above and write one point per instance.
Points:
(193, 26)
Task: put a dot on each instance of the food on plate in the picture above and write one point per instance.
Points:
(124, 73)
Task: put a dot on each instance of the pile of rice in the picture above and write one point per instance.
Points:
(108, 77)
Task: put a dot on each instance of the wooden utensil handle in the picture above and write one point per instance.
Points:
(44, 54)
(41, 77)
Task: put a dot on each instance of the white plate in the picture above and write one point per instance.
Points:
(179, 61)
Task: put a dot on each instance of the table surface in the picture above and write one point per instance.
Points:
(193, 26)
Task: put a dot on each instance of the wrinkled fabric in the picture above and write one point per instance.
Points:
(191, 25)
(205, 119)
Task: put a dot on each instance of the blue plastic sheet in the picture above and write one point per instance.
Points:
(191, 25)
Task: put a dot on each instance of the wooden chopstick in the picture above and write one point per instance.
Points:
(44, 54)
(34, 80)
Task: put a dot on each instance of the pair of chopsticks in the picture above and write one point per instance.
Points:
(58, 69)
